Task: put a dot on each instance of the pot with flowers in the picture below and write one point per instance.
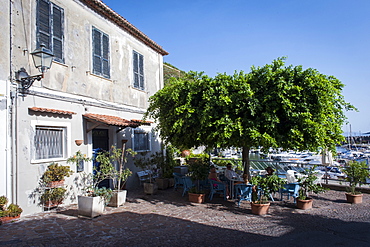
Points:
(307, 185)
(53, 197)
(9, 212)
(55, 174)
(118, 176)
(264, 187)
(356, 172)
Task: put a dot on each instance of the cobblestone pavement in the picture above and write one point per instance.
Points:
(168, 219)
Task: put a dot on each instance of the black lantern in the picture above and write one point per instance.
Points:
(42, 58)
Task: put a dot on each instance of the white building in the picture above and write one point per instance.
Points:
(103, 72)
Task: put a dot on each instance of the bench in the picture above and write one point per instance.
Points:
(144, 176)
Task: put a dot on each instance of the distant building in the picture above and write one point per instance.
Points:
(103, 72)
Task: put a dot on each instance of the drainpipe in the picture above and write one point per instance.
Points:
(13, 118)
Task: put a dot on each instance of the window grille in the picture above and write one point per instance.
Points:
(50, 142)
(138, 64)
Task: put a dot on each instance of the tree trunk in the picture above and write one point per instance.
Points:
(246, 162)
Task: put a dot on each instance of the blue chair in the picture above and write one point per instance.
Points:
(188, 184)
(179, 182)
(217, 188)
(243, 192)
(289, 190)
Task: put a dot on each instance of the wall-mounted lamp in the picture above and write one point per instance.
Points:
(42, 58)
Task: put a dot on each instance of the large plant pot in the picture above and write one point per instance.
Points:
(260, 208)
(354, 198)
(118, 198)
(171, 182)
(304, 204)
(150, 188)
(197, 198)
(162, 183)
(90, 206)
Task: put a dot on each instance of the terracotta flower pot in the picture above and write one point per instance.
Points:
(259, 208)
(304, 204)
(354, 198)
(55, 184)
(197, 198)
(7, 219)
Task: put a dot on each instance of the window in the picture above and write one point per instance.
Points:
(50, 142)
(100, 44)
(141, 140)
(49, 24)
(138, 64)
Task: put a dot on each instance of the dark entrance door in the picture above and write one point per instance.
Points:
(100, 139)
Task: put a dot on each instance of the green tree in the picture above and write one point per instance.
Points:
(272, 106)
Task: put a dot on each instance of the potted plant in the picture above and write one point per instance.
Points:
(118, 177)
(9, 213)
(198, 172)
(148, 165)
(357, 173)
(55, 174)
(307, 184)
(53, 197)
(264, 186)
(94, 199)
(3, 202)
(79, 160)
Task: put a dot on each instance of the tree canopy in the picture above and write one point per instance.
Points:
(272, 106)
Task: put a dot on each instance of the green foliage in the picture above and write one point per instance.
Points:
(3, 200)
(265, 186)
(198, 171)
(56, 195)
(107, 170)
(105, 193)
(56, 172)
(357, 173)
(307, 184)
(12, 210)
(77, 158)
(272, 106)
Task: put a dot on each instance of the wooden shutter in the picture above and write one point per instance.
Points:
(43, 23)
(58, 34)
(105, 58)
(136, 69)
(97, 52)
(141, 72)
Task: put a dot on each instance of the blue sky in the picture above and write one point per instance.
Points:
(217, 36)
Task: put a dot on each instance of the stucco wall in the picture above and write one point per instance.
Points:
(71, 86)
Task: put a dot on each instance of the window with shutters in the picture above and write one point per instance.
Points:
(100, 44)
(138, 64)
(141, 140)
(49, 22)
(50, 142)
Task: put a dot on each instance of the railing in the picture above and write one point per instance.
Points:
(280, 167)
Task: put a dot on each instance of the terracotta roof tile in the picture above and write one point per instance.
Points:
(142, 122)
(111, 120)
(101, 8)
(48, 110)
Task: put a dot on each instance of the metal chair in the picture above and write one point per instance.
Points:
(290, 189)
(217, 188)
(188, 184)
(243, 192)
(179, 182)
